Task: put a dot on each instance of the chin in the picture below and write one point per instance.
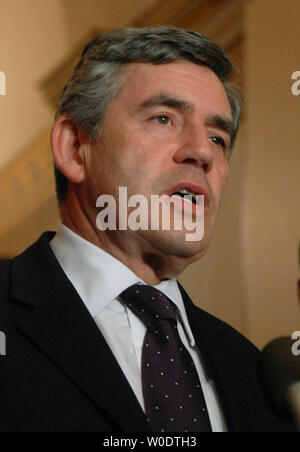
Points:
(174, 243)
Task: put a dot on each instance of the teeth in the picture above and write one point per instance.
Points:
(185, 192)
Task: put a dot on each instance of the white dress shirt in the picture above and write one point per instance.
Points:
(99, 279)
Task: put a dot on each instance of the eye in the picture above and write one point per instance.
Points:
(218, 141)
(163, 119)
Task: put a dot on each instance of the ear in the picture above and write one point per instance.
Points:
(67, 142)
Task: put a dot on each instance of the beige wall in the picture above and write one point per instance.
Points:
(34, 36)
(271, 213)
(28, 231)
(32, 39)
(81, 17)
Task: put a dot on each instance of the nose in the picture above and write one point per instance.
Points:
(195, 148)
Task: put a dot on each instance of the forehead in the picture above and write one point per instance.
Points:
(193, 83)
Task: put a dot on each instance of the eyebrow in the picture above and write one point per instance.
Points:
(224, 124)
(168, 101)
(218, 121)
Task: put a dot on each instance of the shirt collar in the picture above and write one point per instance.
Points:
(170, 288)
(91, 269)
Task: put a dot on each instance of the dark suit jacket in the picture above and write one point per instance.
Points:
(58, 373)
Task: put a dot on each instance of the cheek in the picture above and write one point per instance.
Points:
(218, 180)
(224, 175)
(140, 157)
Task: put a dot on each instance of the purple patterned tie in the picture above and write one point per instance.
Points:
(173, 396)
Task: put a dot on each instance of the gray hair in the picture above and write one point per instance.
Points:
(97, 78)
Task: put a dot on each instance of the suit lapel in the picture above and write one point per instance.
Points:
(221, 359)
(59, 324)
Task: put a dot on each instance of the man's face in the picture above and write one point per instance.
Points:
(167, 129)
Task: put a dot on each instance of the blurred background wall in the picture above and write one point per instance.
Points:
(248, 277)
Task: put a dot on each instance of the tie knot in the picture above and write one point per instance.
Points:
(149, 304)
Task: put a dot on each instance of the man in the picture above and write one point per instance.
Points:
(153, 111)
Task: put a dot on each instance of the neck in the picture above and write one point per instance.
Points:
(136, 252)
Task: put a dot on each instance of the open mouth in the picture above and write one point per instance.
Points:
(189, 191)
(186, 195)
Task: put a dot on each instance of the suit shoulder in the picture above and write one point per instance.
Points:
(227, 334)
(4, 296)
(4, 277)
(216, 331)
